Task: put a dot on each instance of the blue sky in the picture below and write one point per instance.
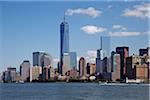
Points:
(34, 26)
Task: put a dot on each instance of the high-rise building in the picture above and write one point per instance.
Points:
(82, 67)
(91, 68)
(136, 68)
(37, 58)
(46, 64)
(131, 63)
(105, 45)
(25, 70)
(143, 52)
(88, 68)
(116, 66)
(64, 41)
(36, 72)
(66, 63)
(142, 72)
(73, 60)
(46, 60)
(124, 52)
(9, 75)
(102, 55)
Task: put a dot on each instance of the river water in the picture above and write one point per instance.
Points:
(73, 91)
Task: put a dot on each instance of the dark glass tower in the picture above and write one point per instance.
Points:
(124, 53)
(64, 41)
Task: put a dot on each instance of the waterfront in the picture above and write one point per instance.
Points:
(73, 91)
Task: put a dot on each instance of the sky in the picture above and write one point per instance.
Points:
(26, 27)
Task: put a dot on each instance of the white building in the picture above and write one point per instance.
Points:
(66, 63)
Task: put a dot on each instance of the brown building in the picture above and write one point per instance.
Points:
(82, 67)
(91, 68)
(116, 67)
(142, 72)
(137, 68)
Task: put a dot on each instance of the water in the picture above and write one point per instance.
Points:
(73, 91)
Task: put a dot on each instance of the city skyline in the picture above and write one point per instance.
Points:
(31, 31)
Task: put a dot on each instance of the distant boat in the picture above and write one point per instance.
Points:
(102, 83)
(22, 82)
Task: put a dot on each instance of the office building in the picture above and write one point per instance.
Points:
(64, 42)
(91, 68)
(37, 58)
(82, 67)
(116, 66)
(73, 60)
(25, 70)
(124, 52)
(46, 63)
(131, 63)
(142, 72)
(9, 75)
(36, 72)
(66, 64)
(143, 52)
(102, 55)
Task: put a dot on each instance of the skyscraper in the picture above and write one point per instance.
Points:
(124, 52)
(143, 52)
(9, 75)
(115, 61)
(25, 70)
(36, 58)
(102, 53)
(66, 63)
(46, 62)
(82, 67)
(73, 60)
(131, 63)
(64, 41)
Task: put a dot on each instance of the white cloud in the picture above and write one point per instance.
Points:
(116, 26)
(120, 34)
(90, 60)
(142, 11)
(91, 29)
(91, 55)
(146, 33)
(88, 11)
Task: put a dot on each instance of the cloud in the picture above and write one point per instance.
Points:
(120, 34)
(92, 12)
(147, 33)
(116, 26)
(91, 56)
(91, 53)
(91, 29)
(141, 11)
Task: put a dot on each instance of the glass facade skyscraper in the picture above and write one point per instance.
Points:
(36, 58)
(73, 60)
(64, 41)
(124, 52)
